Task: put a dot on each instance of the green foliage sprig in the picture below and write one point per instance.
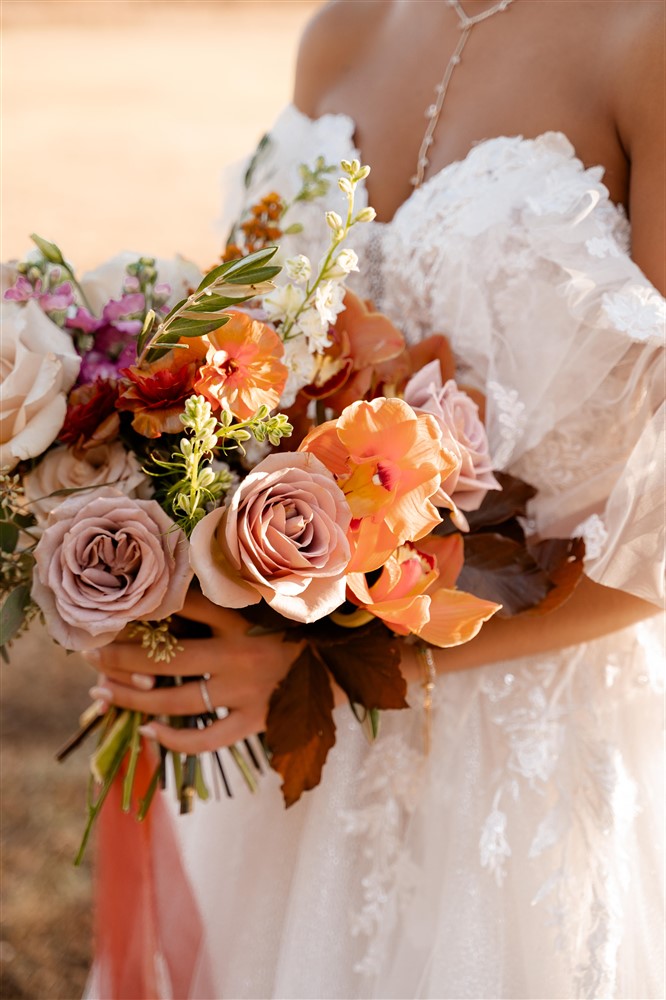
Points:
(195, 486)
(227, 285)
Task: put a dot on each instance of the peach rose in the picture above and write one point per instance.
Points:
(107, 561)
(282, 537)
(38, 365)
(458, 416)
(63, 469)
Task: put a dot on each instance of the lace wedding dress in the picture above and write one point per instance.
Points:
(523, 856)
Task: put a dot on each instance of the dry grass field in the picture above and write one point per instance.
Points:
(118, 117)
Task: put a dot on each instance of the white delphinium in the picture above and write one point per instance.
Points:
(329, 299)
(298, 269)
(315, 330)
(284, 303)
(301, 366)
(342, 265)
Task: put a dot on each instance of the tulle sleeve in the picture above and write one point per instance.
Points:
(519, 255)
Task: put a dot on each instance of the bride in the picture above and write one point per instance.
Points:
(522, 857)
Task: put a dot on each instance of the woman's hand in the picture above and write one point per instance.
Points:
(244, 670)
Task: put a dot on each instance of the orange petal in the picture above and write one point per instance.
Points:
(455, 617)
(449, 553)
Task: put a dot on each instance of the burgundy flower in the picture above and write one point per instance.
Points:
(91, 417)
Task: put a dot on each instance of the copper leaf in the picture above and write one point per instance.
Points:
(366, 665)
(299, 727)
(502, 570)
(562, 559)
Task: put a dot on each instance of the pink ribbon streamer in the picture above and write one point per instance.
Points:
(149, 932)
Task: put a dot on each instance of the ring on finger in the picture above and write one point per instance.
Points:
(205, 694)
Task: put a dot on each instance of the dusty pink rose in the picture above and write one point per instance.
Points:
(282, 537)
(105, 561)
(64, 469)
(458, 416)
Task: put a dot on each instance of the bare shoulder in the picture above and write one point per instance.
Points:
(640, 116)
(637, 64)
(331, 42)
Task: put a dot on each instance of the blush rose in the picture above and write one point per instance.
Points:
(458, 417)
(105, 561)
(282, 537)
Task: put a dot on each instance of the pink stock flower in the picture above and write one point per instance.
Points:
(105, 560)
(282, 537)
(56, 299)
(458, 416)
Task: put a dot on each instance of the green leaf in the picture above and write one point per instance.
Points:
(255, 277)
(148, 324)
(178, 306)
(188, 327)
(299, 727)
(237, 268)
(12, 613)
(213, 304)
(50, 251)
(9, 536)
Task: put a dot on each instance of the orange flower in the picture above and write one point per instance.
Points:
(415, 593)
(361, 340)
(389, 462)
(243, 370)
(157, 392)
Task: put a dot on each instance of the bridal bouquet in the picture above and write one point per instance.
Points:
(268, 437)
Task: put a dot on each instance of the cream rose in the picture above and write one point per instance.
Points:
(458, 416)
(38, 365)
(106, 281)
(61, 469)
(107, 561)
(282, 537)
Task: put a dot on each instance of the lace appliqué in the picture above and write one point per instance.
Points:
(543, 710)
(593, 532)
(637, 310)
(510, 421)
(392, 780)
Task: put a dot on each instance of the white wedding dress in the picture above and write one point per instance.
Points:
(524, 856)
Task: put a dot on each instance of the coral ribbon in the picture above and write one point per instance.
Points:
(148, 928)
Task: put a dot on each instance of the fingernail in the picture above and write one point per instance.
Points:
(101, 692)
(143, 681)
(148, 732)
(93, 656)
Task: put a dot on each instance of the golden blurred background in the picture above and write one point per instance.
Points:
(118, 117)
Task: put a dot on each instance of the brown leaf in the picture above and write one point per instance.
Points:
(366, 664)
(501, 505)
(299, 727)
(502, 570)
(562, 560)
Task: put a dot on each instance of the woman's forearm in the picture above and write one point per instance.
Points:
(592, 611)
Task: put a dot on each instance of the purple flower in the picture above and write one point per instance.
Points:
(56, 300)
(114, 336)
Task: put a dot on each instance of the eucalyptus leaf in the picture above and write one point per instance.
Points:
(12, 613)
(9, 536)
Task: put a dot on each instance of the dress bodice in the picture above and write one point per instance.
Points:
(517, 253)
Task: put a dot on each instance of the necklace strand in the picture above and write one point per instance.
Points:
(433, 112)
